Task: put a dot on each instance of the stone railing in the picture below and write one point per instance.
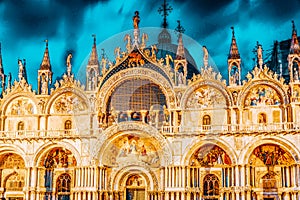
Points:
(241, 128)
(39, 134)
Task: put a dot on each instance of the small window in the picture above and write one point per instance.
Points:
(262, 118)
(68, 126)
(206, 120)
(20, 127)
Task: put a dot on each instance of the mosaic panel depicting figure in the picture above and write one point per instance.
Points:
(21, 106)
(262, 95)
(210, 155)
(270, 155)
(133, 149)
(296, 93)
(11, 160)
(68, 103)
(58, 158)
(206, 97)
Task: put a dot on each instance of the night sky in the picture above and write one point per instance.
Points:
(69, 25)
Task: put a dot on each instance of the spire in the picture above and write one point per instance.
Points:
(294, 43)
(2, 75)
(1, 66)
(45, 65)
(234, 63)
(180, 49)
(233, 52)
(94, 55)
(164, 10)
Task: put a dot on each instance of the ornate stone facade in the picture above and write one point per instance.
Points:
(142, 129)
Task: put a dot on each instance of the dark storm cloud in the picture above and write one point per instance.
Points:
(205, 7)
(31, 18)
(274, 10)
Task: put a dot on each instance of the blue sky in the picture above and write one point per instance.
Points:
(69, 25)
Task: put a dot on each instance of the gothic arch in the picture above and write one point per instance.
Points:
(270, 83)
(132, 73)
(260, 140)
(211, 83)
(122, 128)
(42, 151)
(118, 179)
(196, 144)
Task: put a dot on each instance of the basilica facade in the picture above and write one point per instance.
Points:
(149, 127)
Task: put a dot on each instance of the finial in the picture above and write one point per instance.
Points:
(103, 53)
(179, 28)
(94, 36)
(164, 10)
(232, 28)
(293, 25)
(136, 20)
(46, 43)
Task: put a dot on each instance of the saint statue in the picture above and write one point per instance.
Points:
(205, 56)
(136, 20)
(69, 64)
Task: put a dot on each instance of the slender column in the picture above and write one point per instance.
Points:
(100, 178)
(106, 179)
(177, 195)
(167, 195)
(248, 175)
(173, 176)
(183, 176)
(237, 177)
(182, 196)
(96, 177)
(242, 175)
(188, 176)
(292, 167)
(298, 176)
(288, 176)
(172, 196)
(232, 176)
(166, 176)
(188, 195)
(170, 176)
(237, 195)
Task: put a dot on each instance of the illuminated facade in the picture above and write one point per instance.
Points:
(142, 128)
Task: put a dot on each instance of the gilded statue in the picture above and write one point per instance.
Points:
(136, 20)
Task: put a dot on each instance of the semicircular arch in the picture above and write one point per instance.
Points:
(206, 83)
(268, 83)
(132, 73)
(118, 180)
(135, 128)
(12, 148)
(9, 99)
(198, 143)
(44, 149)
(285, 144)
(67, 90)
